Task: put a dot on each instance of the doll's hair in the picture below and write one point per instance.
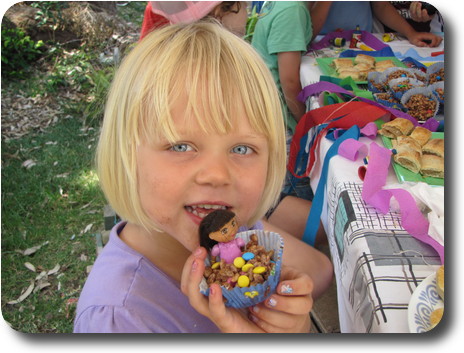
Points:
(212, 223)
(219, 73)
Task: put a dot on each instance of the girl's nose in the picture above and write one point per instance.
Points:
(214, 170)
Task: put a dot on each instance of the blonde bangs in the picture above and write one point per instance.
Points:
(217, 82)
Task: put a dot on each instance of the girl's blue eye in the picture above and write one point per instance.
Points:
(181, 147)
(241, 149)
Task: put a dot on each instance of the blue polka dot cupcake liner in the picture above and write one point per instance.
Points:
(243, 297)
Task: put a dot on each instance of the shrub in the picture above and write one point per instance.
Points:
(18, 52)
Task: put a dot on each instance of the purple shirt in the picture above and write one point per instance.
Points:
(126, 293)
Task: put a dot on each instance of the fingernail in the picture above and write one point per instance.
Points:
(286, 289)
(197, 252)
(253, 318)
(255, 309)
(194, 266)
(272, 302)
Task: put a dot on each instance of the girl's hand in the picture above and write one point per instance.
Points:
(228, 320)
(285, 311)
(288, 309)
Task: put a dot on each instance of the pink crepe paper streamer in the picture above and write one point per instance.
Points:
(352, 149)
(370, 130)
(412, 219)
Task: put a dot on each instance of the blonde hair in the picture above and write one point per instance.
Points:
(219, 71)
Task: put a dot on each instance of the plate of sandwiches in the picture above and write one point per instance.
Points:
(427, 303)
(419, 155)
(357, 68)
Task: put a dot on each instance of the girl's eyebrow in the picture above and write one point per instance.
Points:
(185, 134)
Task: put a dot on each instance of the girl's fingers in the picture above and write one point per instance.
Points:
(293, 282)
(273, 321)
(192, 275)
(295, 305)
(218, 311)
(288, 309)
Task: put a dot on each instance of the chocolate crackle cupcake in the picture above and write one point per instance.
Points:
(388, 100)
(399, 86)
(436, 72)
(251, 273)
(420, 103)
(376, 82)
(420, 75)
(397, 72)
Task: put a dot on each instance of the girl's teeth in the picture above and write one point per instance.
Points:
(197, 210)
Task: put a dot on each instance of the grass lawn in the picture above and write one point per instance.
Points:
(52, 206)
(56, 201)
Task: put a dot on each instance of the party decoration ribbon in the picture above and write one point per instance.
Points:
(412, 220)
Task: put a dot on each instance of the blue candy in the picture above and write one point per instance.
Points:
(248, 256)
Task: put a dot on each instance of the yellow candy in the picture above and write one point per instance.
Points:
(259, 269)
(239, 262)
(243, 281)
(246, 267)
(215, 265)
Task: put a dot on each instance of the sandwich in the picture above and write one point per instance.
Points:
(396, 127)
(432, 166)
(342, 63)
(362, 58)
(381, 66)
(421, 135)
(435, 147)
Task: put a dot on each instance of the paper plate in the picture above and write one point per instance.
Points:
(423, 302)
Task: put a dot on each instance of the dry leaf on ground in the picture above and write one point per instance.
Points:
(24, 295)
(32, 250)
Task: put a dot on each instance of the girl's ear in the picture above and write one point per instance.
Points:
(224, 8)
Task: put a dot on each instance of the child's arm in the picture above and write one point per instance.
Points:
(290, 312)
(289, 74)
(388, 15)
(319, 11)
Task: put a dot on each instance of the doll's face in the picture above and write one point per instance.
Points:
(226, 233)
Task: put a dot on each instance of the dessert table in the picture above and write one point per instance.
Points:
(378, 264)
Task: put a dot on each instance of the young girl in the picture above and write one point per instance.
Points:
(193, 123)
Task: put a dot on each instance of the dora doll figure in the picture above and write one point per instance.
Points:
(217, 234)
